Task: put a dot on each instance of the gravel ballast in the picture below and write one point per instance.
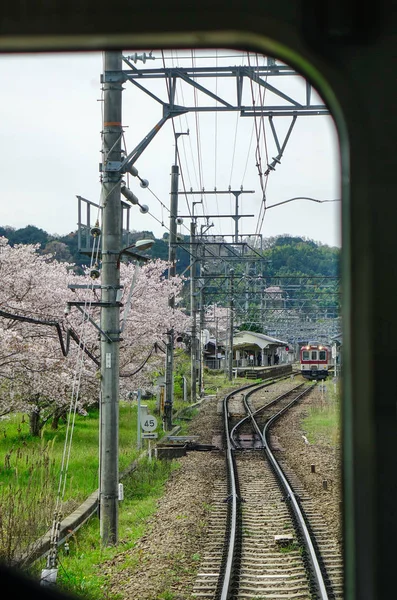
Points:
(164, 563)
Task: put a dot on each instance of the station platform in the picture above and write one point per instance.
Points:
(262, 372)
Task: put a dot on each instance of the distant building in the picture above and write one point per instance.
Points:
(256, 349)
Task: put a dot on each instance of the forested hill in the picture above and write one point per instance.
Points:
(284, 254)
(287, 255)
(65, 248)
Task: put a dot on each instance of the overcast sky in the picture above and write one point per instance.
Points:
(51, 142)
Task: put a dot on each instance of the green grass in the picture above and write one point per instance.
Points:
(18, 448)
(322, 425)
(30, 472)
(219, 382)
(80, 571)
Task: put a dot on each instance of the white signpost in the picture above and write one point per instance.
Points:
(148, 425)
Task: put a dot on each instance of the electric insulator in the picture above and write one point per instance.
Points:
(144, 183)
(144, 208)
(133, 170)
(95, 231)
(95, 273)
(129, 195)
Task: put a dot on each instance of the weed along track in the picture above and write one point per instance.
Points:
(265, 538)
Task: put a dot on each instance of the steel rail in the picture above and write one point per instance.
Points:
(229, 562)
(227, 568)
(312, 555)
(251, 414)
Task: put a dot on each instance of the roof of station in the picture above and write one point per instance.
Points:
(251, 338)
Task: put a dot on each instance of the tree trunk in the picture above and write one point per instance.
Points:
(57, 416)
(35, 425)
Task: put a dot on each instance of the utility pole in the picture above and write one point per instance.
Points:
(230, 370)
(110, 307)
(227, 339)
(201, 377)
(169, 357)
(193, 311)
(247, 274)
(216, 343)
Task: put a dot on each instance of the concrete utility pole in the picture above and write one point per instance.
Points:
(169, 357)
(169, 365)
(230, 369)
(193, 311)
(110, 308)
(201, 327)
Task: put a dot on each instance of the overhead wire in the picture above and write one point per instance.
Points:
(55, 529)
(216, 149)
(198, 141)
(262, 121)
(198, 137)
(258, 156)
(177, 148)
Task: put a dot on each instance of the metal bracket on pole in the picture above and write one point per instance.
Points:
(85, 313)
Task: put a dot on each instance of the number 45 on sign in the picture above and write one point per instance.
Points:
(149, 423)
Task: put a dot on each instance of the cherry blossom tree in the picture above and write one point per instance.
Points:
(35, 376)
(147, 322)
(216, 320)
(41, 366)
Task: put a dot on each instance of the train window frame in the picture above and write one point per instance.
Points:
(322, 46)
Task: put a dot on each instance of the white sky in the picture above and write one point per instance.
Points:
(51, 144)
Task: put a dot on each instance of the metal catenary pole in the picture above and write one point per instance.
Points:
(138, 425)
(169, 365)
(193, 312)
(110, 308)
(230, 369)
(202, 325)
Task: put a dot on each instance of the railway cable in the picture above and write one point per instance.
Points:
(216, 148)
(258, 156)
(154, 348)
(49, 574)
(65, 344)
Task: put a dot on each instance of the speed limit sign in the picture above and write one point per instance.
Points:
(149, 423)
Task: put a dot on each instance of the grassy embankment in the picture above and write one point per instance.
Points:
(323, 421)
(29, 478)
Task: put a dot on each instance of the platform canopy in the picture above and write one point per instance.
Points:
(247, 339)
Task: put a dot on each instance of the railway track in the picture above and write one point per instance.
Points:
(257, 548)
(268, 542)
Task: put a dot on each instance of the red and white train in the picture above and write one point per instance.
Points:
(314, 361)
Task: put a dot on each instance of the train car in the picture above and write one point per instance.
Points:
(314, 361)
